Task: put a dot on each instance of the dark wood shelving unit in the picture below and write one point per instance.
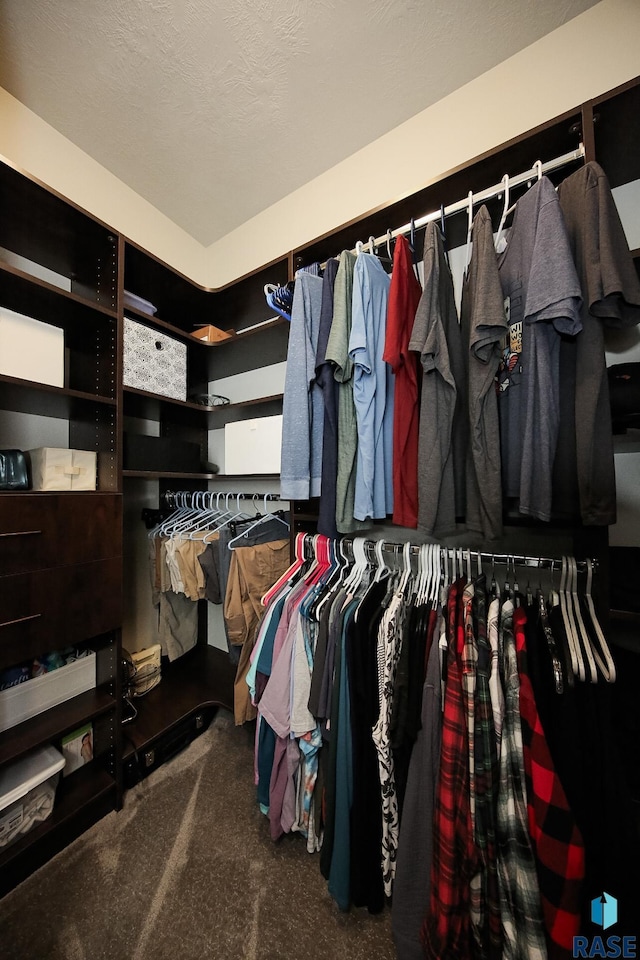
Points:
(151, 320)
(202, 678)
(54, 723)
(21, 290)
(61, 561)
(172, 401)
(81, 800)
(45, 400)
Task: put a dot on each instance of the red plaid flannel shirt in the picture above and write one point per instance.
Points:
(446, 930)
(555, 836)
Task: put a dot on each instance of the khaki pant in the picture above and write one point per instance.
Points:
(252, 572)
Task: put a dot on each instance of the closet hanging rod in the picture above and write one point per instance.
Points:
(461, 205)
(200, 498)
(501, 558)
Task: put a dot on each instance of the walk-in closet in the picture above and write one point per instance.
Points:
(320, 521)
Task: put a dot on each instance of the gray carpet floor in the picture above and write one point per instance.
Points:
(187, 871)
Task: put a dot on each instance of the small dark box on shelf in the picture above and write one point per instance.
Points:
(160, 454)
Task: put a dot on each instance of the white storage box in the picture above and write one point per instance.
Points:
(56, 468)
(27, 792)
(253, 446)
(34, 696)
(153, 361)
(30, 349)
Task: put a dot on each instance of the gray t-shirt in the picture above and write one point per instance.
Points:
(441, 445)
(483, 325)
(542, 301)
(337, 352)
(303, 404)
(584, 477)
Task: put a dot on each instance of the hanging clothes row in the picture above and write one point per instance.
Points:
(428, 725)
(210, 547)
(397, 404)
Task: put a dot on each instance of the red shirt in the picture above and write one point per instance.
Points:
(404, 295)
(557, 842)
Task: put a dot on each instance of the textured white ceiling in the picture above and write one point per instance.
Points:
(212, 110)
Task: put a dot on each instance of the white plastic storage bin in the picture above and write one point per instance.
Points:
(27, 792)
(56, 468)
(34, 696)
(153, 361)
(253, 446)
(30, 349)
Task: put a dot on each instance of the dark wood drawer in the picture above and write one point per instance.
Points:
(51, 609)
(43, 530)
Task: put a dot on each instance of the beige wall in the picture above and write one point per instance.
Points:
(587, 56)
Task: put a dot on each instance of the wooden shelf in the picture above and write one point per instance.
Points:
(166, 475)
(250, 403)
(25, 293)
(155, 321)
(202, 678)
(246, 476)
(26, 396)
(150, 406)
(251, 331)
(81, 800)
(184, 404)
(44, 297)
(53, 723)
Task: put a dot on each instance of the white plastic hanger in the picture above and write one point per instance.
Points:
(438, 583)
(577, 663)
(381, 569)
(372, 249)
(354, 579)
(467, 257)
(359, 247)
(467, 558)
(503, 218)
(260, 519)
(210, 515)
(581, 630)
(406, 567)
(607, 667)
(389, 239)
